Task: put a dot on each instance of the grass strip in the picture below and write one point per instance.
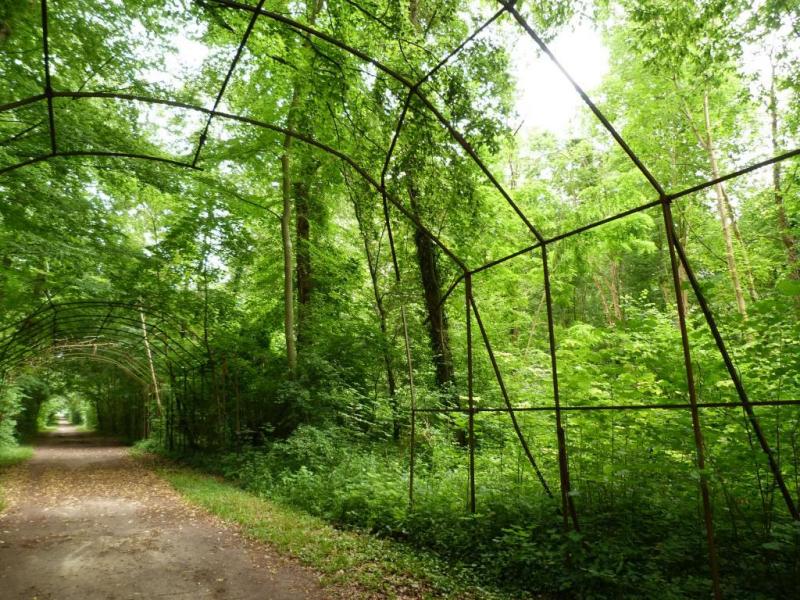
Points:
(377, 567)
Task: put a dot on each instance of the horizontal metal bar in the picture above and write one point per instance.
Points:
(734, 174)
(611, 407)
(20, 103)
(99, 154)
(494, 263)
(605, 221)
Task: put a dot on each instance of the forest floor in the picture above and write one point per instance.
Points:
(85, 520)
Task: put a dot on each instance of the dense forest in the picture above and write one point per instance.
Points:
(301, 244)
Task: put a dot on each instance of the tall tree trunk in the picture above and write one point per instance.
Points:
(286, 239)
(748, 271)
(438, 329)
(787, 239)
(304, 209)
(300, 189)
(723, 211)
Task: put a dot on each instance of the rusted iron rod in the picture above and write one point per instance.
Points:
(586, 407)
(454, 133)
(459, 48)
(46, 307)
(734, 174)
(96, 154)
(20, 103)
(610, 219)
(523, 442)
(35, 327)
(470, 394)
(105, 351)
(592, 106)
(567, 501)
(95, 358)
(395, 136)
(19, 353)
(202, 140)
(241, 119)
(508, 257)
(708, 517)
(737, 381)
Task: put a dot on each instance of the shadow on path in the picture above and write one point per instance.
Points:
(85, 521)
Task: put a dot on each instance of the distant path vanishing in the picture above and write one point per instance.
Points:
(85, 521)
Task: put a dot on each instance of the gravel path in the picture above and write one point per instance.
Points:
(85, 521)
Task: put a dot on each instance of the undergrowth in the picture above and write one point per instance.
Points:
(358, 564)
(635, 544)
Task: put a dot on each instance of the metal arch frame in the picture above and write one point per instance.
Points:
(68, 311)
(121, 355)
(112, 305)
(124, 338)
(677, 253)
(46, 356)
(41, 328)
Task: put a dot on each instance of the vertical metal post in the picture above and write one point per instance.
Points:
(470, 394)
(567, 502)
(698, 433)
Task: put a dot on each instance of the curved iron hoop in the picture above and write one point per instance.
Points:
(66, 310)
(241, 119)
(44, 337)
(44, 323)
(102, 359)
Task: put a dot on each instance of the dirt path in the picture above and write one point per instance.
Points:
(85, 521)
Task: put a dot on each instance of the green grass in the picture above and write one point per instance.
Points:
(374, 566)
(11, 455)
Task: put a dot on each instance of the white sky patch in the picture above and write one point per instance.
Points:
(545, 98)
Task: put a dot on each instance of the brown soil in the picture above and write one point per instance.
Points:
(85, 521)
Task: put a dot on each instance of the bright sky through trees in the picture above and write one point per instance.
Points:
(545, 99)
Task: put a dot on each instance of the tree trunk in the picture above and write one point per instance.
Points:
(787, 239)
(286, 239)
(304, 209)
(724, 214)
(302, 224)
(438, 329)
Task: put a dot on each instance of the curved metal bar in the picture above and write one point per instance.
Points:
(41, 332)
(20, 103)
(70, 304)
(241, 119)
(48, 348)
(34, 327)
(99, 154)
(454, 133)
(101, 359)
(38, 342)
(68, 315)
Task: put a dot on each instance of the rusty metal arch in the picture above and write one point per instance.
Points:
(46, 356)
(102, 321)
